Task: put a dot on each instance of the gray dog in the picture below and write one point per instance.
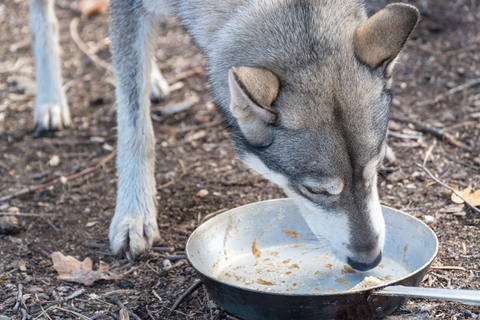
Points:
(304, 86)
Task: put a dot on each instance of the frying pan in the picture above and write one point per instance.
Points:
(261, 261)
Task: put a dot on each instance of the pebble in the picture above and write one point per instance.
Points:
(467, 313)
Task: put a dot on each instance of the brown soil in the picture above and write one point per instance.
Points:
(194, 152)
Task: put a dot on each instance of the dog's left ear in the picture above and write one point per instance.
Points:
(252, 91)
(378, 41)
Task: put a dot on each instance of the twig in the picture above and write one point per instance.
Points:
(208, 301)
(463, 163)
(25, 315)
(448, 268)
(83, 46)
(156, 295)
(19, 297)
(173, 257)
(120, 304)
(52, 225)
(39, 215)
(124, 314)
(74, 295)
(441, 134)
(65, 179)
(73, 312)
(187, 292)
(132, 269)
(213, 214)
(113, 315)
(476, 256)
(449, 282)
(151, 268)
(149, 313)
(163, 249)
(443, 96)
(449, 188)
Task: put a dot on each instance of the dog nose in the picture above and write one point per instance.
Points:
(361, 266)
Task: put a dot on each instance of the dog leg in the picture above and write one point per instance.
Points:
(51, 109)
(134, 225)
(159, 88)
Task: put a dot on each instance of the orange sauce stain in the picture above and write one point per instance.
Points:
(257, 253)
(266, 283)
(347, 269)
(291, 233)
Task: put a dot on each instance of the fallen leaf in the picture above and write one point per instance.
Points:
(91, 7)
(70, 269)
(472, 197)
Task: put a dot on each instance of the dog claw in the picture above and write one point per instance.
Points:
(51, 117)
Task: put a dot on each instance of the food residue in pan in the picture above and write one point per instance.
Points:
(291, 233)
(257, 253)
(347, 269)
(368, 282)
(266, 283)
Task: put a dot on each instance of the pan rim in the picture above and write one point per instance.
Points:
(288, 294)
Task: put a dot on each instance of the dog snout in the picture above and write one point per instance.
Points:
(364, 265)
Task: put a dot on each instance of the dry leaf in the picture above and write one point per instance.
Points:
(70, 269)
(472, 197)
(91, 7)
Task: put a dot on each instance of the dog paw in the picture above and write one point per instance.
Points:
(51, 117)
(159, 88)
(132, 235)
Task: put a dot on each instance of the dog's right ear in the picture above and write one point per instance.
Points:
(380, 39)
(252, 92)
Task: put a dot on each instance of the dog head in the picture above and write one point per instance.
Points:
(317, 125)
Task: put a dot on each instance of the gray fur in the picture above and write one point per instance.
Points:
(330, 112)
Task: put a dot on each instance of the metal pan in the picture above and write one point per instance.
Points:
(261, 261)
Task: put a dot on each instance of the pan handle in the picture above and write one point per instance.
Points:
(470, 297)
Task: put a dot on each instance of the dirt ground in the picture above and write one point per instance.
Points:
(194, 154)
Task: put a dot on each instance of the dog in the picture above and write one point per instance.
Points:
(51, 111)
(304, 88)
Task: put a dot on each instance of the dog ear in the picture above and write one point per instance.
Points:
(252, 91)
(380, 39)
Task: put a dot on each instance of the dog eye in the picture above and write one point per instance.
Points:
(317, 191)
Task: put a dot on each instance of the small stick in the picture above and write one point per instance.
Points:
(156, 295)
(449, 188)
(19, 297)
(476, 256)
(463, 163)
(54, 181)
(163, 249)
(149, 313)
(83, 46)
(449, 282)
(448, 268)
(25, 315)
(186, 294)
(120, 304)
(151, 268)
(113, 315)
(173, 257)
(124, 314)
(443, 96)
(213, 214)
(39, 215)
(52, 225)
(75, 294)
(441, 134)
